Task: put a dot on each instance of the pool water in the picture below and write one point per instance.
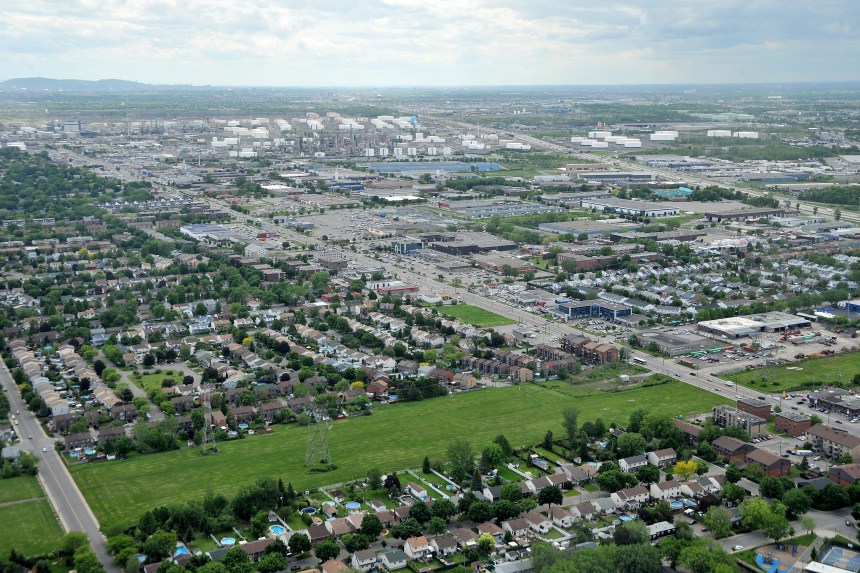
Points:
(352, 505)
(309, 510)
(625, 518)
(181, 550)
(277, 529)
(676, 505)
(228, 541)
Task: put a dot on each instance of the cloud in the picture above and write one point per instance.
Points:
(432, 42)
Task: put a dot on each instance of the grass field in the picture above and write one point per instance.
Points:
(817, 371)
(475, 316)
(30, 527)
(392, 438)
(14, 489)
(148, 382)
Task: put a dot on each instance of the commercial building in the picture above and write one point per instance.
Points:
(744, 326)
(589, 227)
(593, 308)
(616, 176)
(833, 442)
(726, 416)
(584, 263)
(468, 243)
(792, 423)
(406, 245)
(674, 343)
(743, 215)
(631, 207)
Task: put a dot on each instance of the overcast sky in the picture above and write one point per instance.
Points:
(431, 42)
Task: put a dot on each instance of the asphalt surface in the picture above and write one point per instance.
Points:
(65, 497)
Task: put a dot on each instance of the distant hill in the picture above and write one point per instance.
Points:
(72, 85)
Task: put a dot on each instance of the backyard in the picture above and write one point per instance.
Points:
(804, 373)
(474, 315)
(152, 381)
(393, 438)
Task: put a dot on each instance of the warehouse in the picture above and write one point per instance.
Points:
(743, 215)
(469, 243)
(629, 207)
(744, 326)
(673, 343)
(616, 176)
(589, 227)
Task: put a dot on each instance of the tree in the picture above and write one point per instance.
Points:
(733, 493)
(437, 525)
(237, 561)
(85, 561)
(614, 480)
(374, 478)
(636, 418)
(505, 509)
(684, 469)
(480, 511)
(71, 541)
(733, 474)
(570, 419)
(271, 563)
(771, 487)
(492, 455)
(406, 529)
(755, 512)
(425, 465)
(550, 495)
(648, 474)
(327, 549)
(630, 444)
(486, 543)
(719, 520)
(633, 532)
(511, 492)
(160, 545)
(461, 457)
(299, 542)
(807, 524)
(420, 512)
(796, 501)
(371, 526)
(444, 508)
(544, 555)
(503, 443)
(833, 497)
(355, 542)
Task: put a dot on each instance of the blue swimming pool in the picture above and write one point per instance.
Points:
(625, 518)
(676, 504)
(309, 510)
(688, 502)
(181, 550)
(277, 529)
(352, 505)
(228, 541)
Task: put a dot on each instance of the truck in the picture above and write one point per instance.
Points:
(803, 453)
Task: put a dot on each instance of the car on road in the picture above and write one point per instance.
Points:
(30, 436)
(44, 449)
(848, 523)
(737, 547)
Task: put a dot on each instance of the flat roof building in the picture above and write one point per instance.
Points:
(674, 343)
(744, 326)
(630, 207)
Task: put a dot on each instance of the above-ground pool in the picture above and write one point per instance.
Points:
(228, 541)
(625, 518)
(309, 510)
(73, 454)
(90, 452)
(450, 487)
(352, 505)
(181, 550)
(277, 529)
(676, 504)
(688, 502)
(244, 426)
(232, 434)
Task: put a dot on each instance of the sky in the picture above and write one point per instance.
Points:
(431, 42)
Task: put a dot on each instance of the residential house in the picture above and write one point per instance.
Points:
(585, 511)
(317, 533)
(417, 548)
(466, 537)
(255, 549)
(662, 458)
(560, 516)
(363, 561)
(518, 527)
(833, 442)
(732, 449)
(445, 545)
(497, 532)
(338, 527)
(242, 414)
(666, 490)
(633, 463)
(417, 491)
(772, 464)
(78, 440)
(845, 475)
(630, 499)
(392, 559)
(691, 431)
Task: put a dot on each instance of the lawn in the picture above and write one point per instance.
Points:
(812, 373)
(474, 315)
(148, 382)
(25, 487)
(30, 527)
(394, 438)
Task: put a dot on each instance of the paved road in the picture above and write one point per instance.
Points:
(65, 497)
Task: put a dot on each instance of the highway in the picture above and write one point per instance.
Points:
(68, 502)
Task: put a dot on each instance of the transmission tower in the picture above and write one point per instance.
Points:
(207, 444)
(317, 456)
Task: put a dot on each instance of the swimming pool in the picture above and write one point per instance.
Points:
(676, 504)
(625, 518)
(228, 541)
(352, 505)
(182, 550)
(688, 502)
(277, 529)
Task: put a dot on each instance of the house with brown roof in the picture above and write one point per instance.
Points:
(690, 431)
(772, 464)
(467, 537)
(417, 548)
(662, 458)
(242, 414)
(518, 527)
(363, 560)
(255, 549)
(833, 442)
(845, 475)
(732, 449)
(489, 527)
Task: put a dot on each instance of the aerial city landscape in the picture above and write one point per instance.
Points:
(576, 323)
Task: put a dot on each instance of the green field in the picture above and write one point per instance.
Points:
(14, 489)
(149, 382)
(395, 437)
(30, 527)
(815, 372)
(475, 316)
